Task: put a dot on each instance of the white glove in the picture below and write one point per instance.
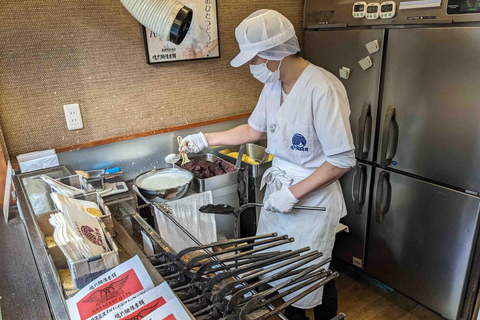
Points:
(280, 201)
(194, 143)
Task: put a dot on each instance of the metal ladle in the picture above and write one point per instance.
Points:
(226, 209)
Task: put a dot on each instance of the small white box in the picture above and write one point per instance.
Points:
(365, 63)
(373, 46)
(344, 73)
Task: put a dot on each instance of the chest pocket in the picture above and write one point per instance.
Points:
(299, 141)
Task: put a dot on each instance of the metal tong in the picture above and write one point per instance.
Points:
(241, 306)
(291, 264)
(177, 259)
(184, 273)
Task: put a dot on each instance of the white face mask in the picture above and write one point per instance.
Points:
(263, 74)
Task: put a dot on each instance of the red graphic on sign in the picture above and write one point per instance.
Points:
(149, 308)
(170, 317)
(92, 235)
(109, 294)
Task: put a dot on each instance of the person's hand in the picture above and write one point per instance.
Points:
(189, 53)
(280, 201)
(194, 143)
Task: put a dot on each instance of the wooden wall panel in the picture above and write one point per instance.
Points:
(91, 52)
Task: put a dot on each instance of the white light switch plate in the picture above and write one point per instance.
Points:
(73, 116)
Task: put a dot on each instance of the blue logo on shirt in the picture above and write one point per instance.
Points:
(299, 142)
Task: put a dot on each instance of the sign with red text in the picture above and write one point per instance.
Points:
(172, 310)
(143, 305)
(99, 297)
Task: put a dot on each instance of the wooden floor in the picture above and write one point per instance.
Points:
(360, 300)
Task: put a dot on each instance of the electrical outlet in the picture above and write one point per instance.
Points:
(73, 116)
(358, 262)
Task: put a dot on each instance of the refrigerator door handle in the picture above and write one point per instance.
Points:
(364, 131)
(359, 187)
(383, 196)
(389, 138)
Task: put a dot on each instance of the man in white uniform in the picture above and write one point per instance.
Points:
(305, 112)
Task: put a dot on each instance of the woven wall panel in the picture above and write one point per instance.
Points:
(92, 52)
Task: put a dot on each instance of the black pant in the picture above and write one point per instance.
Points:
(326, 311)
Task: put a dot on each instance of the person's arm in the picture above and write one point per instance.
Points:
(236, 136)
(325, 175)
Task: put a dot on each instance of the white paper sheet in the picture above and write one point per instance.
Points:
(172, 310)
(8, 191)
(201, 225)
(142, 305)
(147, 245)
(87, 227)
(37, 160)
(420, 4)
(35, 155)
(122, 282)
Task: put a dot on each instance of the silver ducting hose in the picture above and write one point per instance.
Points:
(169, 19)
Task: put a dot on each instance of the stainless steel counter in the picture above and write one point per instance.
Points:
(128, 227)
(53, 294)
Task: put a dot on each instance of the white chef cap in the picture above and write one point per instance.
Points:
(281, 51)
(266, 33)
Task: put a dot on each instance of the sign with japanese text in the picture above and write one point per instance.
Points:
(143, 305)
(201, 41)
(99, 297)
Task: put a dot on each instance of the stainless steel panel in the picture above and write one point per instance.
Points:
(355, 187)
(338, 13)
(254, 150)
(421, 239)
(33, 185)
(431, 80)
(212, 183)
(46, 268)
(335, 49)
(137, 155)
(249, 219)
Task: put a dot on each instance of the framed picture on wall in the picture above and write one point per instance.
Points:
(201, 41)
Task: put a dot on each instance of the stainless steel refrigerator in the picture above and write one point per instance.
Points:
(412, 200)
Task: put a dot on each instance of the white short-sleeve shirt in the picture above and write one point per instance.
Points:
(311, 124)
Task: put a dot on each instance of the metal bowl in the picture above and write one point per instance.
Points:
(160, 195)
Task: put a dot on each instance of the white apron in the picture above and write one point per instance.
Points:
(315, 229)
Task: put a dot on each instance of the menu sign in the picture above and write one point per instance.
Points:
(143, 305)
(101, 296)
(172, 310)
